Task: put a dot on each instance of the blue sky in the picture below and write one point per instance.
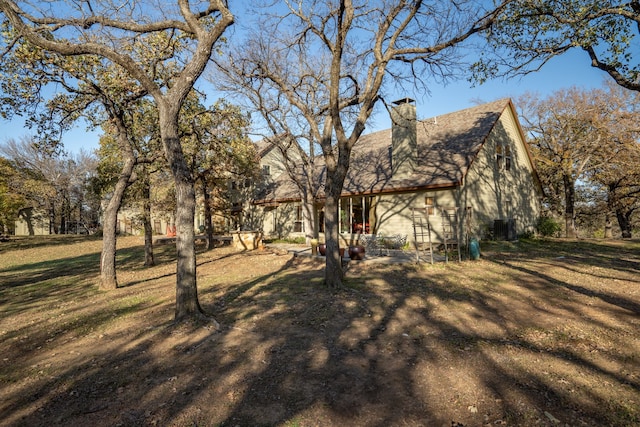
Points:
(571, 69)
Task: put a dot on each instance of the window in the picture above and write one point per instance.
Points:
(354, 215)
(507, 157)
(297, 226)
(503, 156)
(430, 205)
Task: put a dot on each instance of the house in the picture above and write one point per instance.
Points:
(32, 222)
(469, 172)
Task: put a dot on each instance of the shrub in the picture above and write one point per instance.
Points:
(526, 235)
(548, 226)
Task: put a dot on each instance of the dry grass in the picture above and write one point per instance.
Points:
(535, 333)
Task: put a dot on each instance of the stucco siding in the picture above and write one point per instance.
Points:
(38, 225)
(473, 163)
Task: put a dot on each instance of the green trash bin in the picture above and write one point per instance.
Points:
(474, 249)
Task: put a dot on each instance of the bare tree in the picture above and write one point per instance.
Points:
(326, 65)
(110, 31)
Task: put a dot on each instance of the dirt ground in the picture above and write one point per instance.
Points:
(533, 334)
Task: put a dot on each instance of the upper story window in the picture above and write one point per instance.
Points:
(503, 156)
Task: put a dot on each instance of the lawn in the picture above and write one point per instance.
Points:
(540, 333)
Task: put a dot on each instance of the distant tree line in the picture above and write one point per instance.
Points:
(54, 187)
(587, 153)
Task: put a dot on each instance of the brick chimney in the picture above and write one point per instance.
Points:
(403, 137)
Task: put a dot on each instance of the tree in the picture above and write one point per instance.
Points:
(618, 174)
(52, 183)
(11, 201)
(126, 145)
(100, 93)
(529, 33)
(296, 146)
(580, 136)
(328, 63)
(218, 151)
(38, 180)
(104, 30)
(564, 144)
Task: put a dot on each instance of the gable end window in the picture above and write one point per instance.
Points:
(507, 158)
(503, 157)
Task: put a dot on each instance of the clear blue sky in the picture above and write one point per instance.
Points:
(572, 69)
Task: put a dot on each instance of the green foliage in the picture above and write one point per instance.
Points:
(10, 201)
(526, 235)
(548, 226)
(527, 34)
(292, 240)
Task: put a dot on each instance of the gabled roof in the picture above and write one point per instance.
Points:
(264, 146)
(446, 148)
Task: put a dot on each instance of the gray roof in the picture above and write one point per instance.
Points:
(446, 148)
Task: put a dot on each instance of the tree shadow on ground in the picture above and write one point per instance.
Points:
(470, 343)
(393, 358)
(29, 242)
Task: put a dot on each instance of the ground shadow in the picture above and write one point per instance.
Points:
(462, 344)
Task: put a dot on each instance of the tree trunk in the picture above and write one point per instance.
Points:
(208, 223)
(624, 221)
(65, 213)
(146, 214)
(27, 217)
(333, 189)
(608, 232)
(569, 206)
(310, 218)
(108, 280)
(333, 266)
(187, 304)
(53, 228)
